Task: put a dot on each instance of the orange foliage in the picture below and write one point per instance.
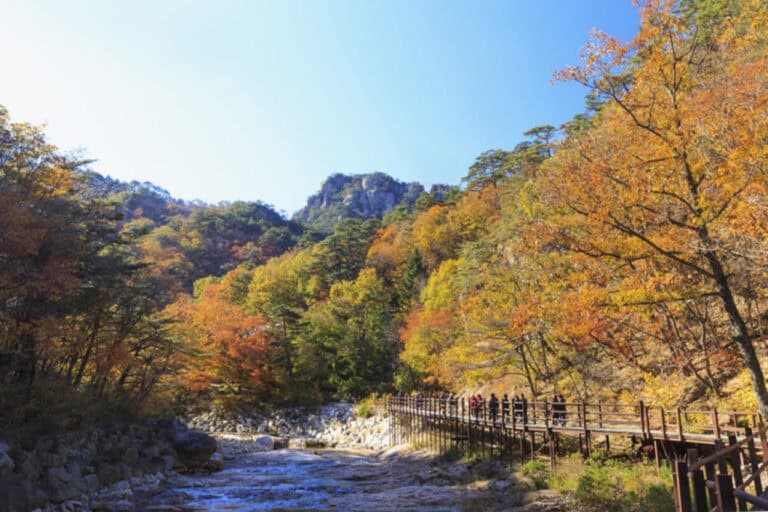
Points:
(231, 354)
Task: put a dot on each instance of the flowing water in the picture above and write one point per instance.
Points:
(292, 480)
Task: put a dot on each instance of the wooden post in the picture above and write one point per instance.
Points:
(682, 488)
(679, 424)
(585, 429)
(642, 419)
(552, 454)
(663, 422)
(736, 466)
(699, 484)
(715, 423)
(648, 421)
(709, 471)
(725, 499)
(599, 415)
(533, 445)
(763, 441)
(753, 464)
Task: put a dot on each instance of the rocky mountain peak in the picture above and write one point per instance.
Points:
(362, 196)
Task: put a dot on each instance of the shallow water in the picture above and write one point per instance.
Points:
(290, 480)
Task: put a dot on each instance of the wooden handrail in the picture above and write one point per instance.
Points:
(755, 500)
(752, 477)
(717, 455)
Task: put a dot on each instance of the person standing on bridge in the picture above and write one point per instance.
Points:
(525, 409)
(556, 410)
(517, 408)
(561, 400)
(493, 407)
(504, 408)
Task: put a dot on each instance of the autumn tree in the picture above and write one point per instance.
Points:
(349, 336)
(671, 178)
(227, 354)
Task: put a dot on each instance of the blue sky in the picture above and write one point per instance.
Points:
(226, 100)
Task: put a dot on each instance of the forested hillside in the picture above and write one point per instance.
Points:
(622, 254)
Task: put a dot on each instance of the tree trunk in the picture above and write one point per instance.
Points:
(740, 333)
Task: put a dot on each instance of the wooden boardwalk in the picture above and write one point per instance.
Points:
(682, 438)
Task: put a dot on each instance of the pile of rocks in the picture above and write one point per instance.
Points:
(68, 471)
(334, 425)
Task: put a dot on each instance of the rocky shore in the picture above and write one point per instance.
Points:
(336, 425)
(98, 469)
(271, 460)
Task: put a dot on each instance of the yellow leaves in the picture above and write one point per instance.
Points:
(385, 251)
(443, 290)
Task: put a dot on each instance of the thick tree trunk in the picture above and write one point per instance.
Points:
(740, 333)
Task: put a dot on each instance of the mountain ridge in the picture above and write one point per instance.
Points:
(363, 196)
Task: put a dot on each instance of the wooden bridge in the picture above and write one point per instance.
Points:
(717, 456)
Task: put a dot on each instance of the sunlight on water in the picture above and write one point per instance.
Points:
(279, 480)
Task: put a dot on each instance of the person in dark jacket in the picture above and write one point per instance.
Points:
(561, 400)
(525, 408)
(504, 408)
(556, 410)
(493, 407)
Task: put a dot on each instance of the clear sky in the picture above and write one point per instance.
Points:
(226, 100)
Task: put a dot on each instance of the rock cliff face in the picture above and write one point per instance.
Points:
(362, 196)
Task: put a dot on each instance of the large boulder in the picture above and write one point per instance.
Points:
(216, 462)
(6, 462)
(193, 448)
(62, 484)
(18, 494)
(264, 444)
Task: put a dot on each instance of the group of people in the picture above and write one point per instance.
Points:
(559, 410)
(519, 408)
(495, 409)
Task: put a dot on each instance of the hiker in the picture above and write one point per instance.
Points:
(480, 406)
(555, 410)
(473, 406)
(524, 408)
(504, 408)
(562, 410)
(493, 407)
(517, 408)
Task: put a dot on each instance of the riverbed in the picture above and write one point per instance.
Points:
(296, 480)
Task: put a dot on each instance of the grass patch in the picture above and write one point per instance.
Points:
(368, 406)
(538, 472)
(608, 485)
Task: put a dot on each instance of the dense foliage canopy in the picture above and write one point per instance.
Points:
(626, 249)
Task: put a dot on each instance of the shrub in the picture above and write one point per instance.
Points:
(538, 472)
(607, 485)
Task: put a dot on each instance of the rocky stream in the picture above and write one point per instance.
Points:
(289, 460)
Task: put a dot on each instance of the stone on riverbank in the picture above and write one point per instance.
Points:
(193, 448)
(72, 471)
(332, 425)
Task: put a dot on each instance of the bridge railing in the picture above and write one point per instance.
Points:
(640, 419)
(728, 479)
